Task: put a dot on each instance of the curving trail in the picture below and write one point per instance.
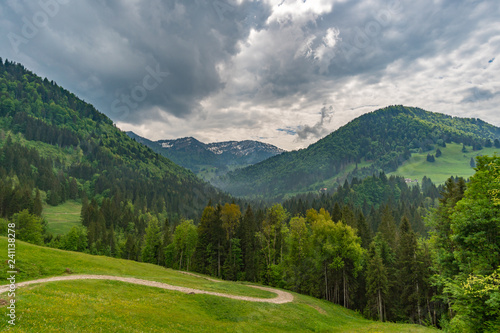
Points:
(281, 298)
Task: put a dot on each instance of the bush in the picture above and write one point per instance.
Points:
(29, 227)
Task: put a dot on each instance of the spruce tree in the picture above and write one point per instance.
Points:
(364, 231)
(409, 285)
(387, 227)
(377, 284)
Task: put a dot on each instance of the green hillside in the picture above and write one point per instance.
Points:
(380, 140)
(452, 162)
(53, 142)
(105, 306)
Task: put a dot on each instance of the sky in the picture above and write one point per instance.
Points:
(284, 72)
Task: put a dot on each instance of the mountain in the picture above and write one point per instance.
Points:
(208, 160)
(53, 142)
(380, 140)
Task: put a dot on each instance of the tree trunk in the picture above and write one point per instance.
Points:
(429, 310)
(274, 248)
(326, 284)
(379, 301)
(418, 306)
(346, 300)
(218, 259)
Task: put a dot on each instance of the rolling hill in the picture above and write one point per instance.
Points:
(380, 140)
(110, 305)
(212, 159)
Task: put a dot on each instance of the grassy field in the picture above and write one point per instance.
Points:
(63, 217)
(452, 162)
(112, 306)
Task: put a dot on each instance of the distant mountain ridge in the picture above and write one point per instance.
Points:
(221, 156)
(381, 140)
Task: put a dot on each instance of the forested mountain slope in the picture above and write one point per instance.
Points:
(54, 144)
(380, 140)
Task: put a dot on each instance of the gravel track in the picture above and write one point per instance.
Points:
(281, 298)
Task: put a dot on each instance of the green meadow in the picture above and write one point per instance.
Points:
(60, 219)
(112, 306)
(452, 162)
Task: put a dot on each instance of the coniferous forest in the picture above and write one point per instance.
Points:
(393, 251)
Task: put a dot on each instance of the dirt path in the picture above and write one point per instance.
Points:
(282, 296)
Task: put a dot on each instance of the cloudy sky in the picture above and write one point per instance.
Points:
(286, 72)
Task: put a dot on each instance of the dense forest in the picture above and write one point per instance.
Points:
(426, 255)
(391, 250)
(380, 140)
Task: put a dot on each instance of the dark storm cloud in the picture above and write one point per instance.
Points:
(131, 58)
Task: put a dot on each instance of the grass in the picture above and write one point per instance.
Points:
(452, 162)
(112, 306)
(63, 217)
(35, 262)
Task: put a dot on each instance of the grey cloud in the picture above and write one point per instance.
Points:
(104, 51)
(318, 129)
(478, 94)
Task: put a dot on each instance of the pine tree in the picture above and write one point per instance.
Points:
(387, 227)
(336, 213)
(37, 204)
(407, 277)
(377, 284)
(364, 231)
(249, 245)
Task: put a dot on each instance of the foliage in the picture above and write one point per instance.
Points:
(477, 303)
(467, 242)
(75, 239)
(29, 227)
(152, 243)
(185, 238)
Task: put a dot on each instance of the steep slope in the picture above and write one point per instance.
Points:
(219, 157)
(115, 306)
(52, 141)
(380, 140)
